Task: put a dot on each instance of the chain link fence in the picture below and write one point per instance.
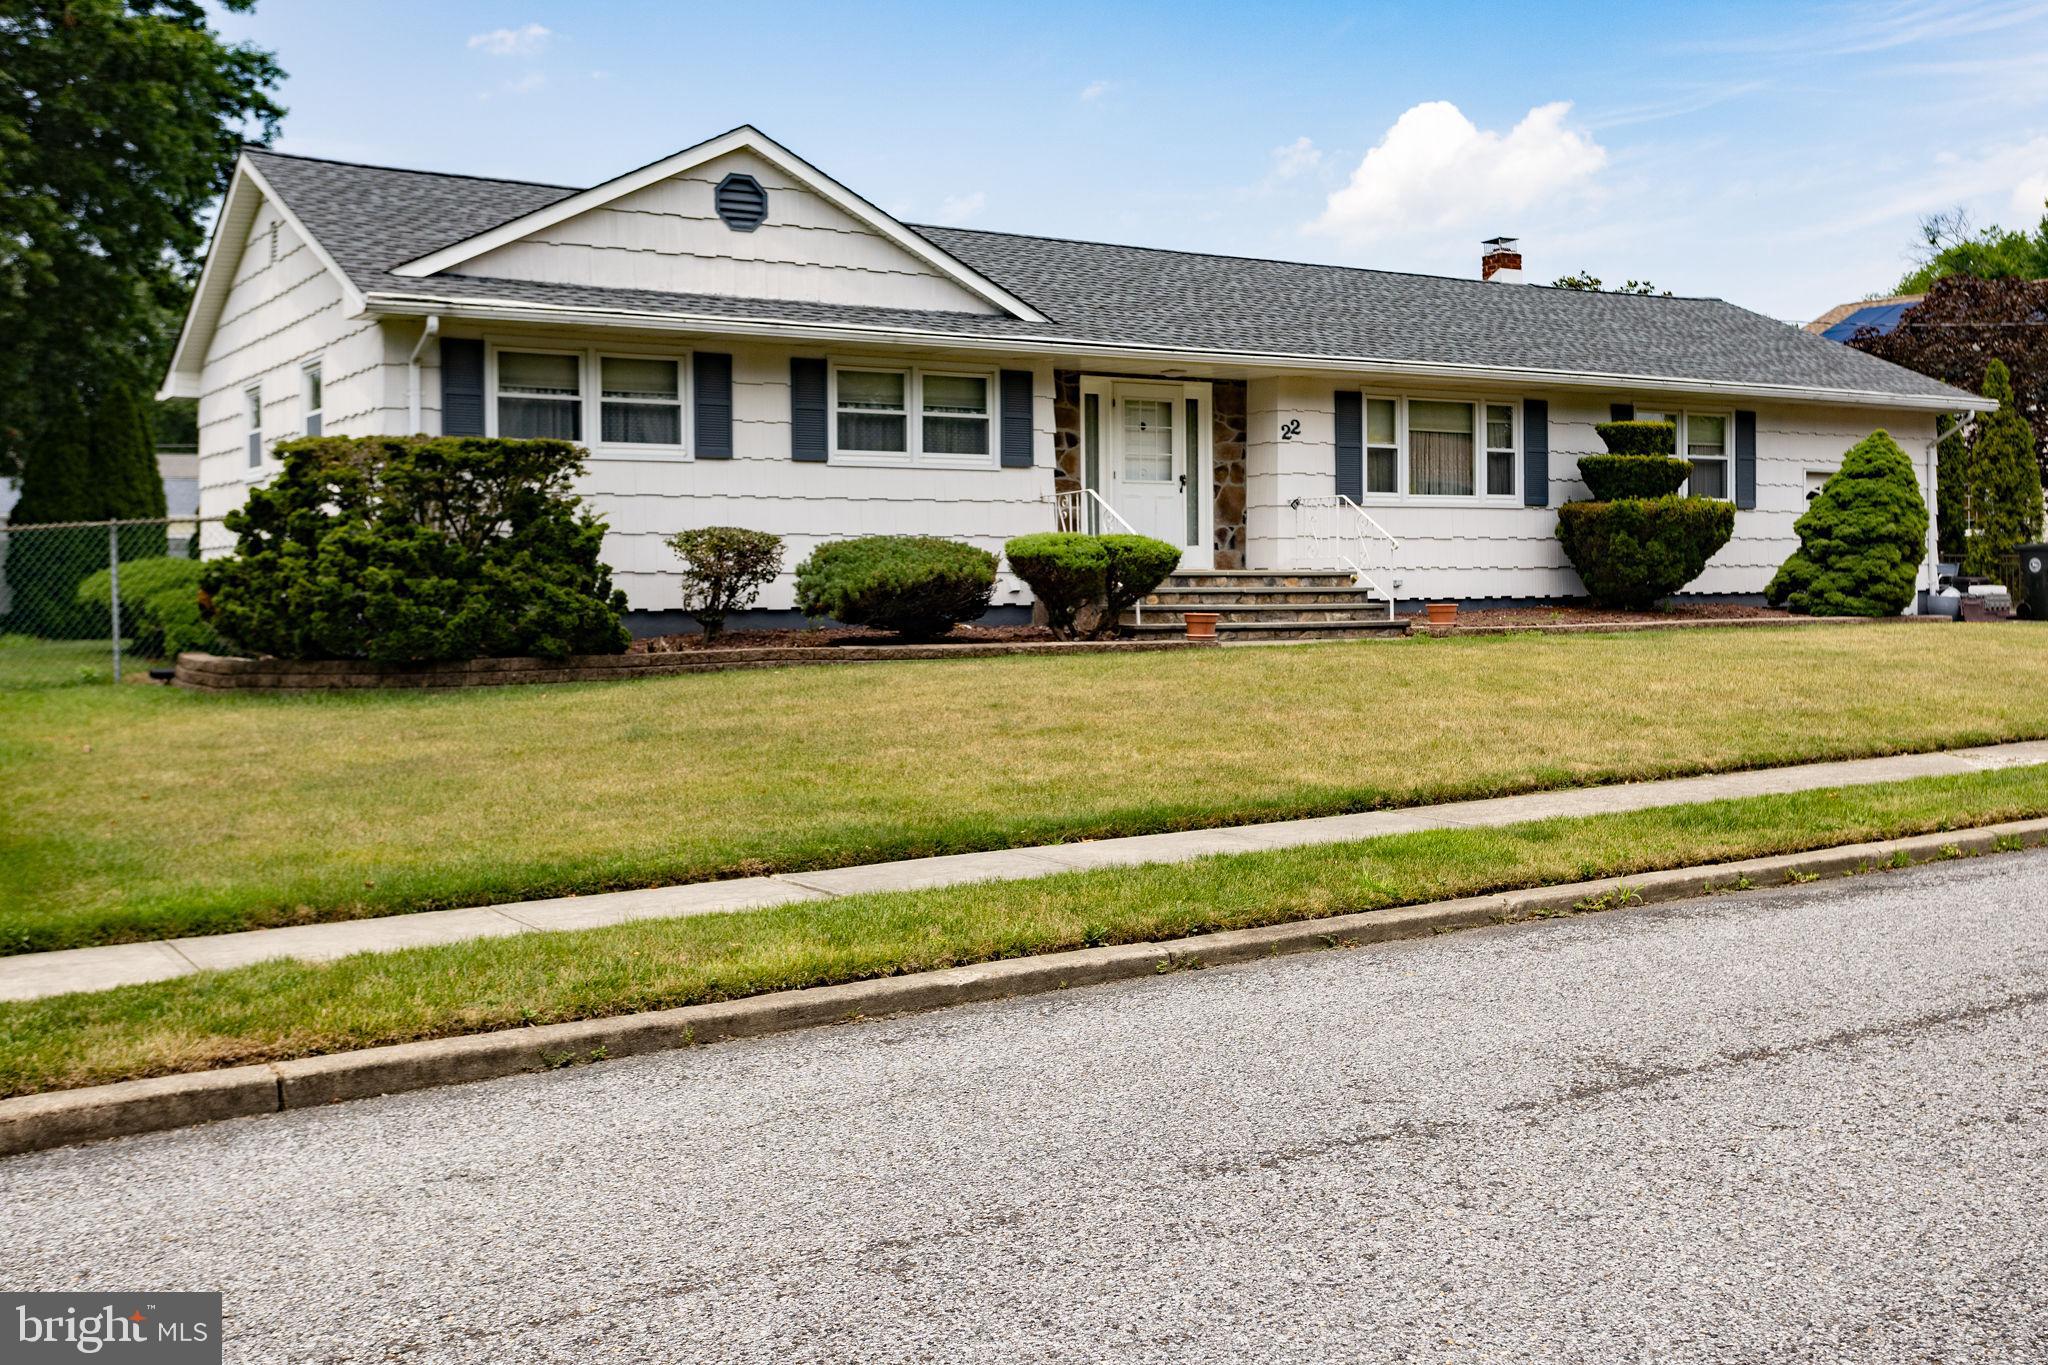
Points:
(87, 602)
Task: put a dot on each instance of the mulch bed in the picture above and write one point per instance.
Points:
(835, 637)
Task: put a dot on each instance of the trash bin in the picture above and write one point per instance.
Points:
(2027, 573)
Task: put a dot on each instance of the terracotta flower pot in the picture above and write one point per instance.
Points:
(1443, 613)
(1201, 625)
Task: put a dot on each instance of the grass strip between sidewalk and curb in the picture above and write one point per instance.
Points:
(284, 1009)
(138, 813)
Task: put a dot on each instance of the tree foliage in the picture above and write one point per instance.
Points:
(1950, 247)
(1586, 282)
(919, 587)
(1861, 541)
(406, 549)
(1634, 552)
(1066, 571)
(120, 120)
(1963, 323)
(724, 570)
(2005, 482)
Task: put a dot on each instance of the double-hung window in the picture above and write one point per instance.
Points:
(1702, 441)
(913, 416)
(252, 400)
(1441, 448)
(1500, 450)
(1382, 446)
(540, 394)
(640, 401)
(310, 381)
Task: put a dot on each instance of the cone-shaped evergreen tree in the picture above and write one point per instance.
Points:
(2005, 482)
(1861, 541)
(1951, 490)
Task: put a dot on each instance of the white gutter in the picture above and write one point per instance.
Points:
(492, 310)
(412, 370)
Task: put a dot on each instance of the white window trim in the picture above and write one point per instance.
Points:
(915, 456)
(1478, 497)
(1682, 418)
(590, 390)
(307, 407)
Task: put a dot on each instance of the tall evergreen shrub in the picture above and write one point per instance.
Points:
(1861, 541)
(2005, 482)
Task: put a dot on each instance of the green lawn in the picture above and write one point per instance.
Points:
(287, 1009)
(141, 812)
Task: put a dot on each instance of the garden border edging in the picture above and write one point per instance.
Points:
(61, 1117)
(218, 673)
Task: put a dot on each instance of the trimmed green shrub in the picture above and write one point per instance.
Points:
(1137, 564)
(160, 607)
(920, 587)
(1065, 572)
(2005, 482)
(1638, 438)
(1861, 541)
(1632, 476)
(1636, 551)
(414, 548)
(724, 569)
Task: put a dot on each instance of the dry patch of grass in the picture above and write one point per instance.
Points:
(285, 1009)
(133, 813)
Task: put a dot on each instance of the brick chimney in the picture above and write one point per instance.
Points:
(1502, 260)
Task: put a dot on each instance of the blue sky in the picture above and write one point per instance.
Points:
(1778, 155)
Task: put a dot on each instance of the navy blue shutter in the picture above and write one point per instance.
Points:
(1016, 419)
(1622, 412)
(711, 376)
(807, 434)
(1535, 452)
(462, 387)
(1745, 459)
(1351, 446)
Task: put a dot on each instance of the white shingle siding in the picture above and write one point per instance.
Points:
(668, 237)
(1494, 551)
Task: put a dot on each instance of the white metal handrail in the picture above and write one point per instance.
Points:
(1081, 511)
(1335, 532)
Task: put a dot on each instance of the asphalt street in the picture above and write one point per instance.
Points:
(1802, 1124)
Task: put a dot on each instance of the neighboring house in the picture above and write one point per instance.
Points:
(739, 339)
(1845, 320)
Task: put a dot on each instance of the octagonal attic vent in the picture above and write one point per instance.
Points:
(741, 202)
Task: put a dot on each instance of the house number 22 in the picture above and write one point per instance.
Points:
(1290, 430)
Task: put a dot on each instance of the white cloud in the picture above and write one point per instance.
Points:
(958, 208)
(512, 42)
(1297, 157)
(1435, 170)
(2028, 199)
(1093, 91)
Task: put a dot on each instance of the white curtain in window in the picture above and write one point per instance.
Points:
(955, 414)
(1440, 448)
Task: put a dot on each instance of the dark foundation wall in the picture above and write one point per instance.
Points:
(1228, 428)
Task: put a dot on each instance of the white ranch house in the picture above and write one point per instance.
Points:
(740, 339)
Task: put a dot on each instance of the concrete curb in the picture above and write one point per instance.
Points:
(34, 1122)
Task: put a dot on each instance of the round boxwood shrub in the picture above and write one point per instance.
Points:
(1633, 552)
(1861, 541)
(1137, 564)
(1064, 571)
(160, 611)
(920, 587)
(406, 549)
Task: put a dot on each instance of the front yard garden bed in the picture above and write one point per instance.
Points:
(212, 673)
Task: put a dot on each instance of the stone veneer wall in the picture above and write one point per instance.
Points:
(1227, 413)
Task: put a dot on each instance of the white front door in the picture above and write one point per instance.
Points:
(1148, 465)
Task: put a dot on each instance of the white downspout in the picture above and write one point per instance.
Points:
(412, 365)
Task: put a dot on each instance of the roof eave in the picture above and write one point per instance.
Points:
(494, 310)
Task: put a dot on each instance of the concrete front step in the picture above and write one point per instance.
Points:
(1348, 628)
(1253, 597)
(1323, 579)
(1237, 613)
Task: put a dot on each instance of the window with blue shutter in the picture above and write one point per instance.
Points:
(1351, 446)
(711, 391)
(808, 438)
(462, 387)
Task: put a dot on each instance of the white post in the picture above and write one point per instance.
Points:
(114, 589)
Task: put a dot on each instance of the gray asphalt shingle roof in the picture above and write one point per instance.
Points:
(371, 219)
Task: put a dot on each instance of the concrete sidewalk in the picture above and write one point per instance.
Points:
(32, 975)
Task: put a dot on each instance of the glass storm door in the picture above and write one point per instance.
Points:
(1148, 465)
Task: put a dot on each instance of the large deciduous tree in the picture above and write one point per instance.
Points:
(119, 123)
(1964, 323)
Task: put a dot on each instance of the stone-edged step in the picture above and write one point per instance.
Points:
(1252, 597)
(1241, 579)
(1238, 613)
(1346, 628)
